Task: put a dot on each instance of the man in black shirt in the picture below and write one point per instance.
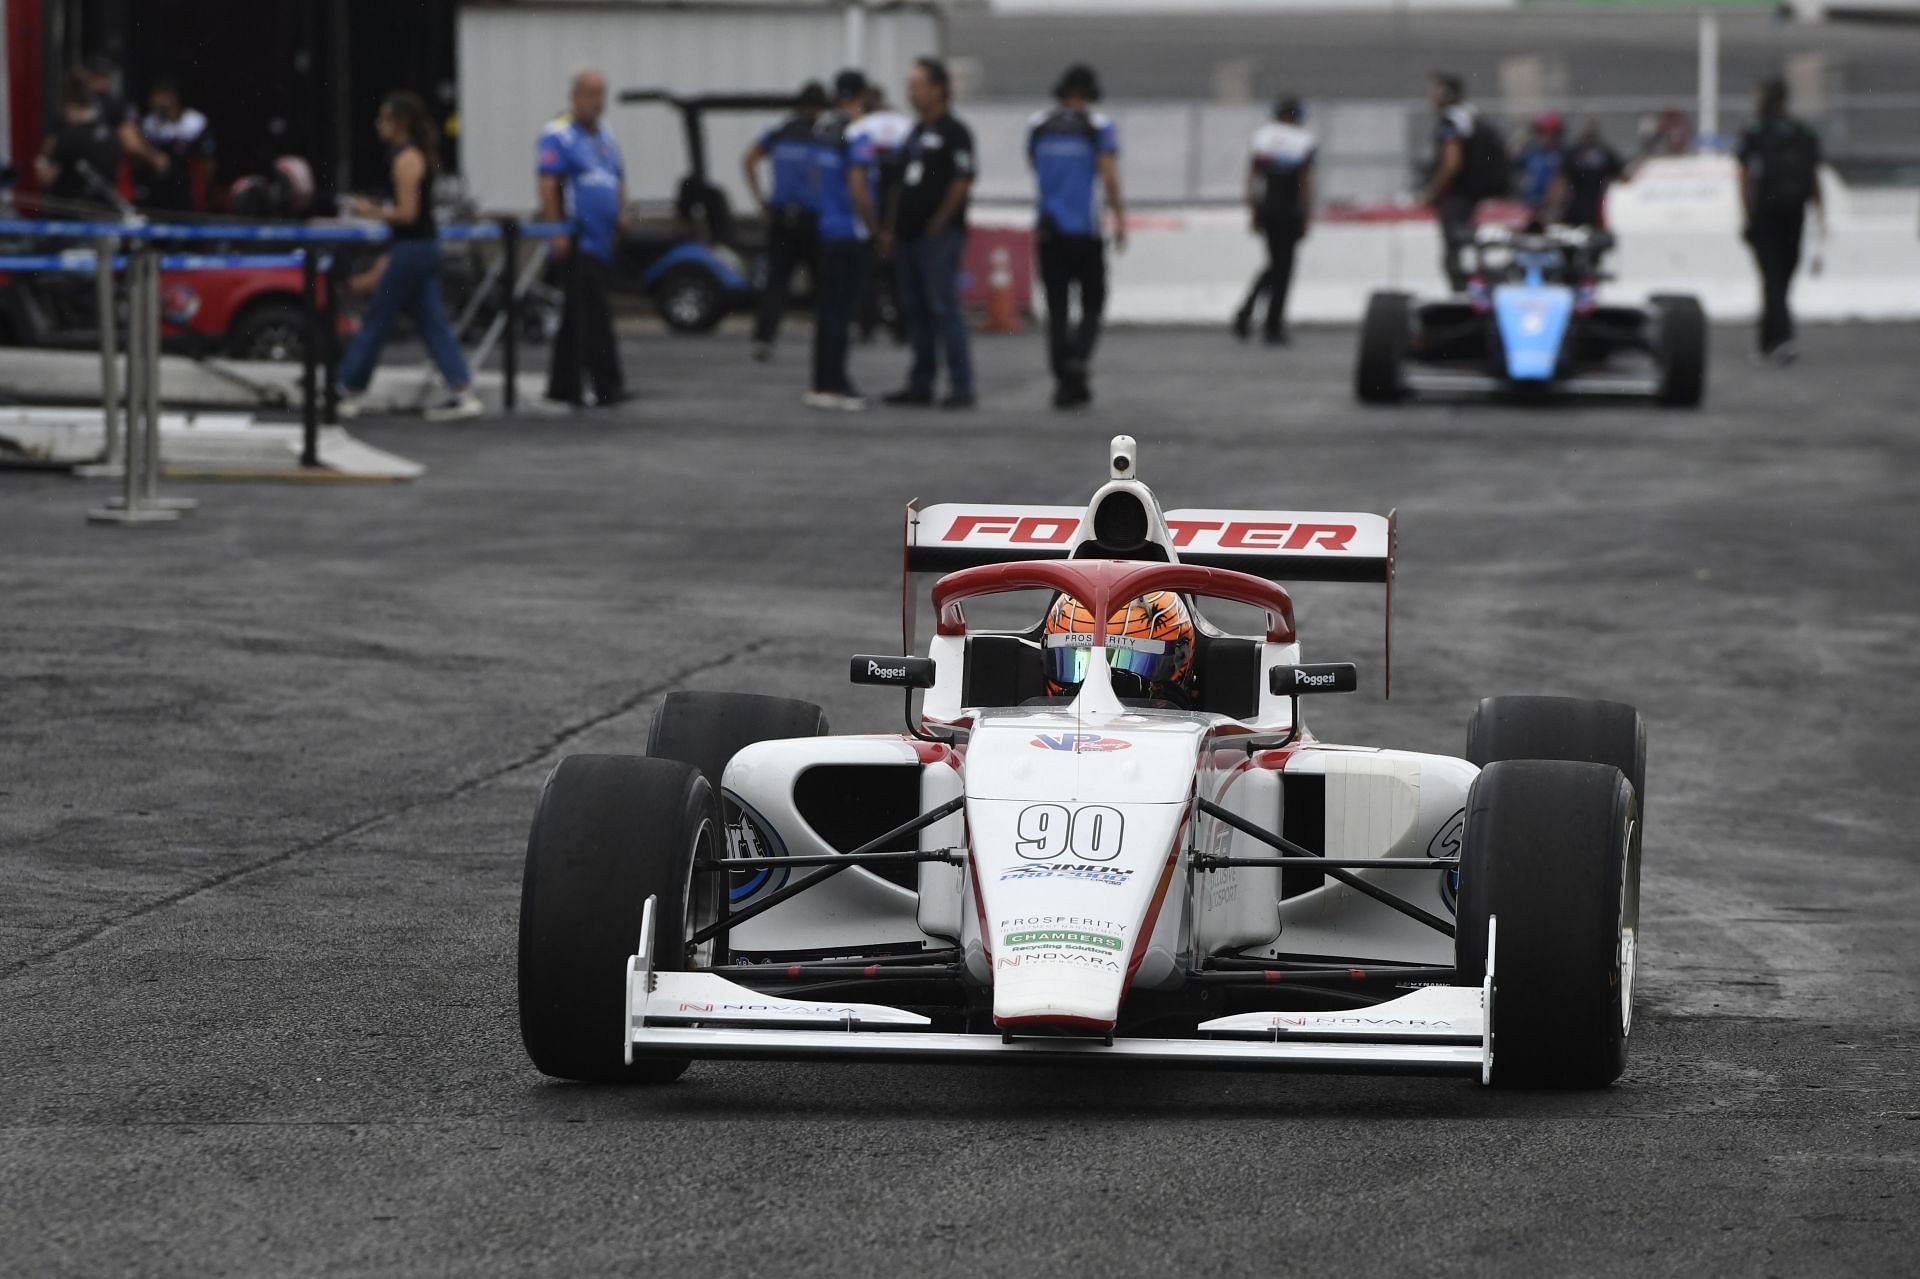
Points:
(928, 233)
(1449, 188)
(1280, 197)
(1589, 167)
(1779, 178)
(80, 158)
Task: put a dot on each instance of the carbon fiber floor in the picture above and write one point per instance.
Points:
(263, 778)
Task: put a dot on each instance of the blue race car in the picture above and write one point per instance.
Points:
(1531, 325)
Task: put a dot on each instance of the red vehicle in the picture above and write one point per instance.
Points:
(251, 313)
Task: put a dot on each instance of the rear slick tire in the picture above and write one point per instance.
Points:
(609, 832)
(1379, 376)
(1550, 852)
(1680, 348)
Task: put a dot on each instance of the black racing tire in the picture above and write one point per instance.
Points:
(275, 331)
(1379, 377)
(609, 832)
(1571, 728)
(708, 729)
(690, 299)
(1551, 852)
(1680, 349)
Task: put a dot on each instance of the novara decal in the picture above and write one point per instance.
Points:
(1281, 1021)
(1070, 958)
(1080, 743)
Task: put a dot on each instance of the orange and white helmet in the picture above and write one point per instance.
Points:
(1150, 644)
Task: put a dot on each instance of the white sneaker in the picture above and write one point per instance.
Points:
(852, 403)
(455, 408)
(821, 400)
(347, 407)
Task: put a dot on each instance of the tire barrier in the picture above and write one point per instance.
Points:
(137, 252)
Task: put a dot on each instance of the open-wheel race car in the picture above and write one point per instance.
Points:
(1531, 323)
(1104, 836)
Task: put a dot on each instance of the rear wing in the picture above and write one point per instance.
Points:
(1282, 546)
(1295, 546)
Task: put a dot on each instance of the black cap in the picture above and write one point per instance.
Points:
(1289, 108)
(1078, 81)
(849, 84)
(813, 95)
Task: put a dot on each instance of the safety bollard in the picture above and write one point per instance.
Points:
(309, 357)
(510, 307)
(330, 274)
(137, 504)
(105, 250)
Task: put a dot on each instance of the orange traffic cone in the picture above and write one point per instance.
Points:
(1001, 316)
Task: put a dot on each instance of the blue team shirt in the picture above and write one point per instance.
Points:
(789, 146)
(838, 152)
(590, 170)
(1538, 164)
(1065, 147)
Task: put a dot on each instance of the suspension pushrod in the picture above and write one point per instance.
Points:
(953, 856)
(1390, 900)
(1206, 862)
(737, 917)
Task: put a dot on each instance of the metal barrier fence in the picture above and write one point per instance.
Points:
(136, 253)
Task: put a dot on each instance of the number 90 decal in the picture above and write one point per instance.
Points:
(1052, 831)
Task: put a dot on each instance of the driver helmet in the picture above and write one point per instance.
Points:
(1150, 644)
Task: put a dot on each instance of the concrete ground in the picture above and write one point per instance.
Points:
(265, 777)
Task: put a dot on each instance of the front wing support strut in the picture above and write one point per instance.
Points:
(1333, 871)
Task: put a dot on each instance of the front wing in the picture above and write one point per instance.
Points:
(1435, 1030)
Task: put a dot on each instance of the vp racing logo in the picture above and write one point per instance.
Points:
(1080, 743)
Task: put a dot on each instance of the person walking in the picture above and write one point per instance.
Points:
(583, 182)
(1779, 177)
(1451, 189)
(928, 231)
(1280, 197)
(883, 131)
(411, 280)
(1070, 147)
(842, 184)
(792, 220)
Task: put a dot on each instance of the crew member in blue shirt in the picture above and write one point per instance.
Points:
(841, 181)
(792, 219)
(1073, 147)
(584, 183)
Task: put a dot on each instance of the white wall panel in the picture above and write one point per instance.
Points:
(515, 64)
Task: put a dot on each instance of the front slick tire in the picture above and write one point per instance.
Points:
(609, 832)
(1550, 853)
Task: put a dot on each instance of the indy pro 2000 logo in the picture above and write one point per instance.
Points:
(1064, 843)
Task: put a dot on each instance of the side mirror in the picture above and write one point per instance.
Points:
(892, 672)
(1321, 677)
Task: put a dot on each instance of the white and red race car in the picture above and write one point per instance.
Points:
(1025, 878)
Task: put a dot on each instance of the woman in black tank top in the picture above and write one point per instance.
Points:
(410, 280)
